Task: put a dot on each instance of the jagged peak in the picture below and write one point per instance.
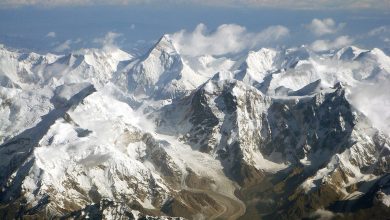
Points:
(253, 67)
(164, 44)
(301, 53)
(352, 47)
(216, 87)
(71, 59)
(255, 55)
(261, 51)
(349, 53)
(262, 56)
(377, 56)
(5, 50)
(339, 85)
(110, 55)
(29, 57)
(223, 75)
(309, 89)
(99, 51)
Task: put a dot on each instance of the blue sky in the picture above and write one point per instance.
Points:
(63, 25)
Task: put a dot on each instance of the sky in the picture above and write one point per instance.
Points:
(297, 4)
(60, 26)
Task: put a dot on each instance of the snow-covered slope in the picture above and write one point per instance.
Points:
(256, 66)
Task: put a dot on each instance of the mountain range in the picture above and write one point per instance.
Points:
(274, 133)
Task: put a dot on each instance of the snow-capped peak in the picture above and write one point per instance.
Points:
(164, 44)
(162, 73)
(349, 53)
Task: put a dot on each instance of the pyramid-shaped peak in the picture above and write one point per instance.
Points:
(165, 44)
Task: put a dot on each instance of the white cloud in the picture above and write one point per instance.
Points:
(323, 45)
(382, 30)
(227, 38)
(291, 4)
(51, 34)
(325, 26)
(381, 33)
(63, 46)
(66, 45)
(374, 101)
(108, 40)
(132, 26)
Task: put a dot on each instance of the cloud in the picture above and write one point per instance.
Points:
(66, 45)
(290, 4)
(325, 26)
(51, 34)
(382, 30)
(63, 46)
(227, 38)
(108, 41)
(323, 45)
(132, 26)
(381, 33)
(374, 101)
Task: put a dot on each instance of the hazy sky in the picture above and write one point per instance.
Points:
(296, 4)
(62, 25)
